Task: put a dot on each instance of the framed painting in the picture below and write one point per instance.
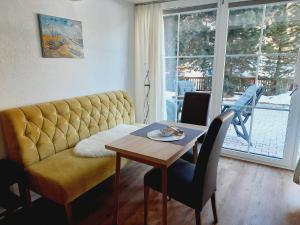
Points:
(60, 37)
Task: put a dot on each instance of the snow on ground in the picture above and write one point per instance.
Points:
(268, 134)
(281, 99)
(268, 128)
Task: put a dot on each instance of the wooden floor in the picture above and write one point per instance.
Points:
(248, 194)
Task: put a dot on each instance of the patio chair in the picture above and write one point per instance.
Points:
(184, 86)
(243, 110)
(171, 110)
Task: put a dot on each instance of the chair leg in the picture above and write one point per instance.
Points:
(25, 195)
(214, 207)
(195, 152)
(68, 212)
(146, 199)
(198, 217)
(245, 132)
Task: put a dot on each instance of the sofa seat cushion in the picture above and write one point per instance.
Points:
(64, 176)
(140, 125)
(94, 146)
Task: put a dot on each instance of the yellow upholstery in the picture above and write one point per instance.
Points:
(40, 138)
(75, 176)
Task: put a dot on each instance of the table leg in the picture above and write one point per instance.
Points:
(117, 188)
(164, 194)
(195, 152)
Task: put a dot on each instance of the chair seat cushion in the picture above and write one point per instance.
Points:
(94, 146)
(180, 181)
(64, 176)
(189, 155)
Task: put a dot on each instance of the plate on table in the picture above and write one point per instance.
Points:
(157, 136)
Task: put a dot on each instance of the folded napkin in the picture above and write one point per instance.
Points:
(94, 146)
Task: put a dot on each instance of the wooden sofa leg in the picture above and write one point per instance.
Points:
(68, 212)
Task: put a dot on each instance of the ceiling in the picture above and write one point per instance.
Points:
(140, 1)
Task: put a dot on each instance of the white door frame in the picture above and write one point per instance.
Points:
(292, 142)
(295, 121)
(293, 132)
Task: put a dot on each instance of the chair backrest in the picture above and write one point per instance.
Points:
(195, 108)
(35, 132)
(205, 175)
(247, 98)
(260, 90)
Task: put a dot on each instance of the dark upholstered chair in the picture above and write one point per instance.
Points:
(194, 111)
(193, 185)
(195, 108)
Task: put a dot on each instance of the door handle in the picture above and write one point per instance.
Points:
(294, 89)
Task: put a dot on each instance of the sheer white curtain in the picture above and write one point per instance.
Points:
(149, 50)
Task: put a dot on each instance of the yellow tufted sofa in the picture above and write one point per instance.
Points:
(41, 137)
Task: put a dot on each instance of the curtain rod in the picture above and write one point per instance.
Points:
(155, 2)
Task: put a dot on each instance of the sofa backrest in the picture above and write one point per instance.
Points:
(33, 133)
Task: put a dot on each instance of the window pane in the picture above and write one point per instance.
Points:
(171, 88)
(197, 71)
(197, 33)
(170, 74)
(240, 72)
(171, 107)
(185, 74)
(171, 29)
(269, 131)
(244, 30)
(282, 32)
(261, 111)
(276, 74)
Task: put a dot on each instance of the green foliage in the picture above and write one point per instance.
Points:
(171, 30)
(244, 28)
(280, 29)
(197, 33)
(280, 32)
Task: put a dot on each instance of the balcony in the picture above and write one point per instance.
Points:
(268, 122)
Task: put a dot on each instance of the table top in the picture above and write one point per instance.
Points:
(152, 152)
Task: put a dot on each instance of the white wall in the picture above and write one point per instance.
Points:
(26, 77)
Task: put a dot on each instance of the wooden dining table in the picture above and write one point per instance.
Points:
(154, 153)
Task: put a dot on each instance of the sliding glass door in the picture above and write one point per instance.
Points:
(261, 54)
(245, 54)
(189, 54)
